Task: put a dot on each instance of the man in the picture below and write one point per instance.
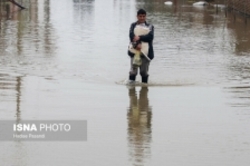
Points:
(138, 41)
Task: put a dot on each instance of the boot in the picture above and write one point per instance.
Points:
(144, 79)
(132, 78)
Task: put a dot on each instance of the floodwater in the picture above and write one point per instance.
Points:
(66, 60)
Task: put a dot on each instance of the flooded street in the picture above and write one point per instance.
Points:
(67, 60)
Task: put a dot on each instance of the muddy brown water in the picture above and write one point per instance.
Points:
(67, 60)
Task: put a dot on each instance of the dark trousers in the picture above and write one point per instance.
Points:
(143, 69)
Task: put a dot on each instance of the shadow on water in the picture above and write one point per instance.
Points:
(139, 118)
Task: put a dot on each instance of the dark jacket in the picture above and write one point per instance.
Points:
(145, 38)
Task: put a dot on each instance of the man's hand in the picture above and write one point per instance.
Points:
(138, 47)
(136, 38)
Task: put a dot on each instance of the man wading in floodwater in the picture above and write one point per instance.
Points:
(140, 50)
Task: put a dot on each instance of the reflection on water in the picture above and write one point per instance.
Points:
(26, 32)
(19, 152)
(18, 96)
(27, 46)
(8, 10)
(139, 125)
(241, 29)
(239, 97)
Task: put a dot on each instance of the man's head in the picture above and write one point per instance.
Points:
(141, 16)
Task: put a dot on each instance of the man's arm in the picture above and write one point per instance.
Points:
(131, 32)
(149, 37)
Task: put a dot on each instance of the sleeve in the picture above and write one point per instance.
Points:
(131, 32)
(150, 36)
